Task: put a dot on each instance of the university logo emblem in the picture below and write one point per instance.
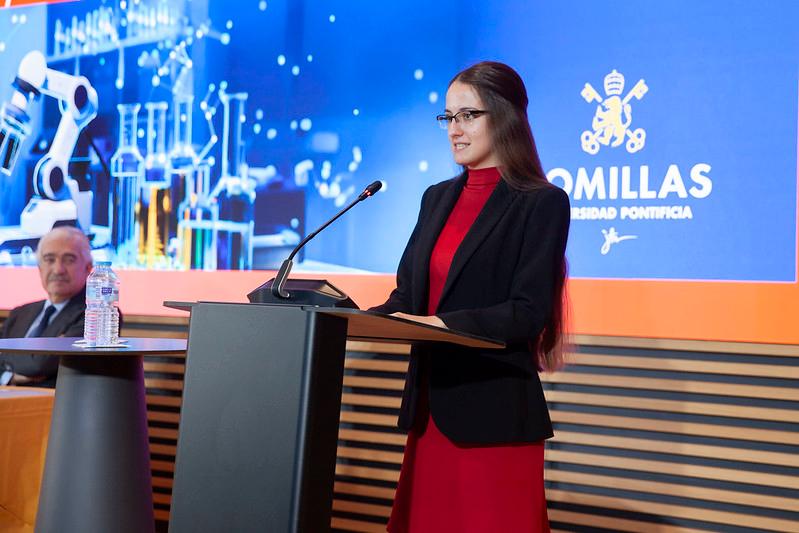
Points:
(613, 116)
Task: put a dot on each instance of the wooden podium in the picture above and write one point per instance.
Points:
(261, 402)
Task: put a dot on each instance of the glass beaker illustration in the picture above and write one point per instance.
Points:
(234, 192)
(182, 158)
(197, 231)
(155, 208)
(236, 198)
(127, 172)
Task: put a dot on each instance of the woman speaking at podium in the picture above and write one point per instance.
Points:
(486, 257)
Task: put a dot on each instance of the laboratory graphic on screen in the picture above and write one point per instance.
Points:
(209, 135)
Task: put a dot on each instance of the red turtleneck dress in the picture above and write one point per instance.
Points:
(448, 487)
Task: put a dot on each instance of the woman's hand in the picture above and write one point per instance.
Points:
(431, 320)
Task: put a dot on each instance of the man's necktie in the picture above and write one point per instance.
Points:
(48, 313)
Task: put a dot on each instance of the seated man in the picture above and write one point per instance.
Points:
(65, 262)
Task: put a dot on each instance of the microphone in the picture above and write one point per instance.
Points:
(277, 286)
(367, 192)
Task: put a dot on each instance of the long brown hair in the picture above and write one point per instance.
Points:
(505, 98)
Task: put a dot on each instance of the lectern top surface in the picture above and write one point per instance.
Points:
(375, 327)
(64, 346)
(368, 325)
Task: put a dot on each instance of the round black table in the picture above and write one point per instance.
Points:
(97, 468)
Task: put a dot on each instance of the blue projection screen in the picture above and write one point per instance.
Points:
(671, 125)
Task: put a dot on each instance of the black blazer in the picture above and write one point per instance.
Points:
(67, 323)
(500, 285)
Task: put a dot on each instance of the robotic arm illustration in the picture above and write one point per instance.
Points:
(57, 197)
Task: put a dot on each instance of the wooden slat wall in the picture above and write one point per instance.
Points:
(650, 435)
(695, 439)
(646, 439)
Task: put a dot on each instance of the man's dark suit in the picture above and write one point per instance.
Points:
(500, 285)
(67, 323)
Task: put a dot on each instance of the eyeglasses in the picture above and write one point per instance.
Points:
(465, 117)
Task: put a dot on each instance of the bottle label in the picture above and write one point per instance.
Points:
(110, 295)
(104, 295)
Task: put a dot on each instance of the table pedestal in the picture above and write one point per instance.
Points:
(98, 452)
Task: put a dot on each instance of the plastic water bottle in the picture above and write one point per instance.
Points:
(101, 325)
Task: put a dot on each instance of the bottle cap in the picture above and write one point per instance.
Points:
(104, 263)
